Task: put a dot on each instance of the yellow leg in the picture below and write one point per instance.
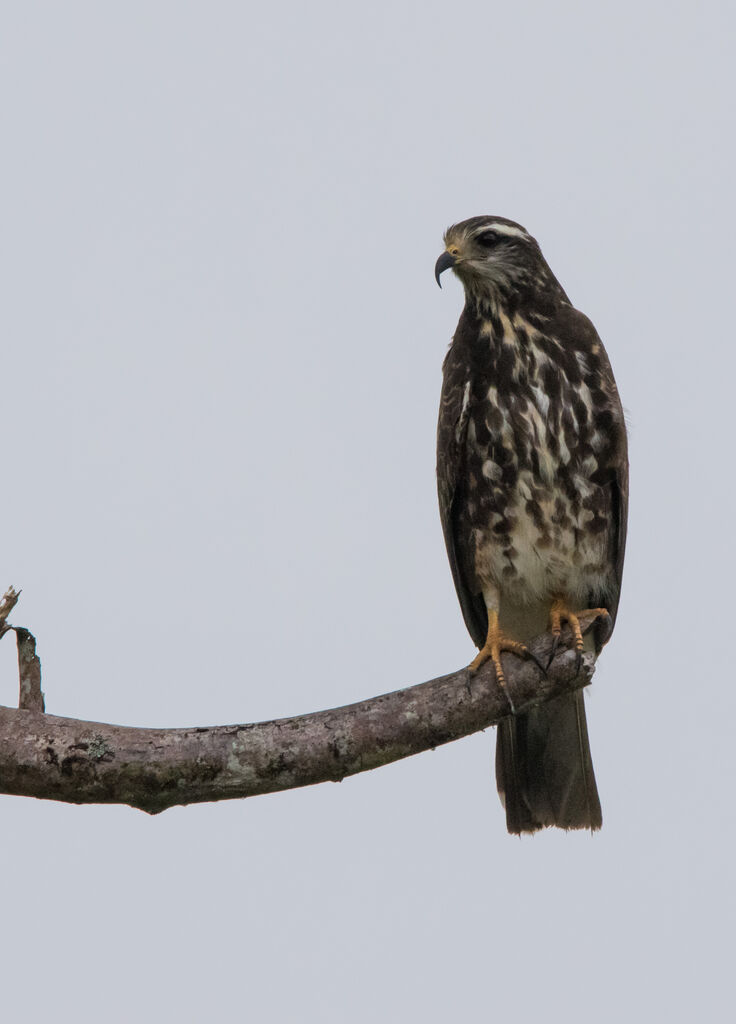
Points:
(560, 612)
(496, 642)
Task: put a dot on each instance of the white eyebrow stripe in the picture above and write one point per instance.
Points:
(503, 229)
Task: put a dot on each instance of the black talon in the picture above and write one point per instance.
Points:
(505, 689)
(555, 645)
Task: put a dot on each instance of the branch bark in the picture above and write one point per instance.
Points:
(153, 769)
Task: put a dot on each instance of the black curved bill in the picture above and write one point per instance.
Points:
(445, 261)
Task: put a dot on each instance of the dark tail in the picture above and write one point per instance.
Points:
(544, 771)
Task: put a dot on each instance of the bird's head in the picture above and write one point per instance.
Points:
(492, 255)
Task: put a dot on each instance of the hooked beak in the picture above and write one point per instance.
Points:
(445, 261)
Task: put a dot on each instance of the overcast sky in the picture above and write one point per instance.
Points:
(221, 351)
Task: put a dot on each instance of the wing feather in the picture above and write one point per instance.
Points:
(452, 431)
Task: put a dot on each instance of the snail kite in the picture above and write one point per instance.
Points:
(532, 475)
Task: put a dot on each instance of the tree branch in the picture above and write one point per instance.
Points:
(153, 769)
(29, 664)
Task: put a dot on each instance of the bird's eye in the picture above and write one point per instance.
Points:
(487, 239)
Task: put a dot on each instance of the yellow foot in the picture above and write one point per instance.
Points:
(496, 642)
(559, 613)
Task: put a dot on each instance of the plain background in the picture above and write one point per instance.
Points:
(221, 350)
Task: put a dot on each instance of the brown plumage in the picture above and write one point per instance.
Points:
(532, 476)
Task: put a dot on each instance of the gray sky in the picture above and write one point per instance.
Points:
(221, 366)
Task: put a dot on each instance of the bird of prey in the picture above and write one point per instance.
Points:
(532, 474)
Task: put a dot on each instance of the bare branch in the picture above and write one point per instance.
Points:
(153, 769)
(7, 602)
(29, 664)
(29, 670)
